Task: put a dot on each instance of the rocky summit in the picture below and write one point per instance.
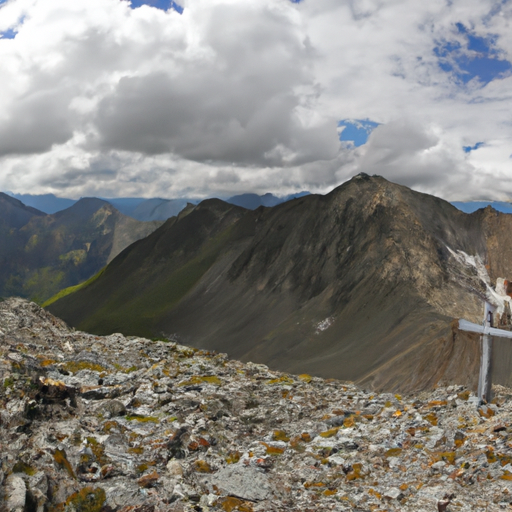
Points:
(116, 423)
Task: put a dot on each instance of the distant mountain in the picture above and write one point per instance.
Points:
(125, 205)
(47, 203)
(159, 209)
(362, 284)
(144, 209)
(14, 214)
(41, 254)
(253, 201)
(473, 206)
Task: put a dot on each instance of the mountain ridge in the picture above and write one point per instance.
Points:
(362, 284)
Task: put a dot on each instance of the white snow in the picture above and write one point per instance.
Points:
(496, 297)
(324, 324)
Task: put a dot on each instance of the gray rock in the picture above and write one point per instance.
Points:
(113, 408)
(16, 494)
(243, 482)
(392, 493)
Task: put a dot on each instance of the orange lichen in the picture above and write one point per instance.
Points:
(229, 504)
(431, 418)
(273, 450)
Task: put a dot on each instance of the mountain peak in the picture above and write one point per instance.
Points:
(14, 214)
(85, 207)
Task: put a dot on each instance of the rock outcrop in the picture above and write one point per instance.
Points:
(90, 423)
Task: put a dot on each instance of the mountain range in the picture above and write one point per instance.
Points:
(155, 208)
(361, 284)
(40, 254)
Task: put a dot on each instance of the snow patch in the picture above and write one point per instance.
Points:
(472, 261)
(324, 325)
(496, 297)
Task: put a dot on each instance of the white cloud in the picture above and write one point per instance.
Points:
(230, 96)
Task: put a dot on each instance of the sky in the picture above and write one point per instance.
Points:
(200, 98)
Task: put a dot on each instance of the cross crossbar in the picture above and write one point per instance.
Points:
(464, 325)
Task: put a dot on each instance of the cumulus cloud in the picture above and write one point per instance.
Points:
(97, 98)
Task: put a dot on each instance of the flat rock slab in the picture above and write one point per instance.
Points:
(243, 482)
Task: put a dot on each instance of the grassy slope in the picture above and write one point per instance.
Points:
(142, 288)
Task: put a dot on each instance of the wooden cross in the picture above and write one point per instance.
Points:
(487, 331)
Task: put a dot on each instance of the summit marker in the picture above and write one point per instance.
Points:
(487, 331)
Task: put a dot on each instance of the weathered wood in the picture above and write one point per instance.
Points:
(485, 377)
(487, 331)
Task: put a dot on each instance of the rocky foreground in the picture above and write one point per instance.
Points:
(111, 423)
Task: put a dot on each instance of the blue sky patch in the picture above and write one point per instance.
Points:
(356, 131)
(468, 149)
(164, 5)
(476, 57)
(8, 34)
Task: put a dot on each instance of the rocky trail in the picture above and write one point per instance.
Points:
(111, 423)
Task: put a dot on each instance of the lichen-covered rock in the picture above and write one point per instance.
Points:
(163, 427)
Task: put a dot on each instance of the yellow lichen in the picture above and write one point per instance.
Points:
(142, 419)
(201, 466)
(233, 457)
(230, 504)
(21, 467)
(329, 433)
(87, 499)
(202, 379)
(61, 459)
(76, 366)
(273, 450)
(280, 435)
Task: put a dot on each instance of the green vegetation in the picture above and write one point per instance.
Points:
(135, 305)
(75, 257)
(72, 289)
(43, 282)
